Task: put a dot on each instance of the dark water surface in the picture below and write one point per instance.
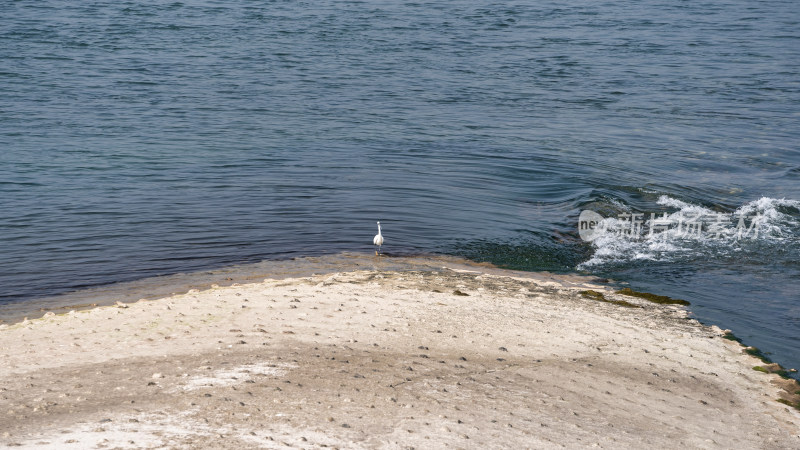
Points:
(148, 138)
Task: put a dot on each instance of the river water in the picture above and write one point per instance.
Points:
(141, 139)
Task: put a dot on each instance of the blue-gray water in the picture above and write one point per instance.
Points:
(146, 138)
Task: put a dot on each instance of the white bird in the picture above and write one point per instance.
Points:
(378, 239)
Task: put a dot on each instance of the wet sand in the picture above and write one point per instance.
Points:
(386, 359)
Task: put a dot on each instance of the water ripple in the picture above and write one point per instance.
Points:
(147, 138)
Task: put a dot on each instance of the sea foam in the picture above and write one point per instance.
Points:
(686, 230)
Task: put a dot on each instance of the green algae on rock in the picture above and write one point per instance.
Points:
(594, 295)
(660, 299)
(731, 337)
(795, 405)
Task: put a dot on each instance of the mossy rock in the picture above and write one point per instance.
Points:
(660, 299)
(731, 337)
(593, 295)
(598, 296)
(775, 368)
(753, 351)
(795, 405)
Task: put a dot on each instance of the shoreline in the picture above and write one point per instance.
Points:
(156, 287)
(425, 356)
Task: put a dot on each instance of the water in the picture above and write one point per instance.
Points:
(140, 139)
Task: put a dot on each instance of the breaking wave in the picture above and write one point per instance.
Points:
(682, 231)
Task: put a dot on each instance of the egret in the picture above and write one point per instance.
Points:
(378, 239)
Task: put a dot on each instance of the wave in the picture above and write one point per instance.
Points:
(684, 230)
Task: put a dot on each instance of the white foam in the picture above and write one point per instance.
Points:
(762, 221)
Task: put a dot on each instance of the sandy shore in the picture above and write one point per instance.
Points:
(386, 359)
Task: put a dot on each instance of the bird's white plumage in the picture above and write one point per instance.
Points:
(378, 239)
